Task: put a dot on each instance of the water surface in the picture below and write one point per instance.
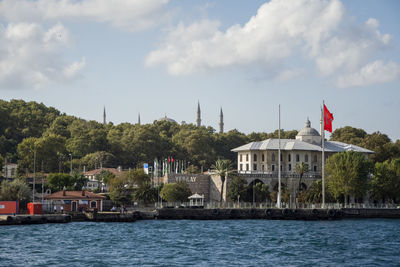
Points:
(374, 242)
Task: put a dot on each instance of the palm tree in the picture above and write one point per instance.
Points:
(222, 167)
(301, 169)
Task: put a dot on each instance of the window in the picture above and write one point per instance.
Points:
(247, 157)
(315, 168)
(289, 157)
(281, 157)
(262, 157)
(255, 157)
(297, 157)
(281, 168)
(247, 167)
(273, 167)
(262, 167)
(273, 157)
(93, 204)
(254, 167)
(315, 158)
(240, 157)
(306, 158)
(290, 167)
(241, 167)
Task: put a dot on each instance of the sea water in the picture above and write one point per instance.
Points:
(373, 242)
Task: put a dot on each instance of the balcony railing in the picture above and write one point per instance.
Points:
(264, 174)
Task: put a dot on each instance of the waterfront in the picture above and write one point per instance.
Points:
(204, 243)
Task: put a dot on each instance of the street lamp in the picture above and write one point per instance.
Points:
(34, 176)
(70, 170)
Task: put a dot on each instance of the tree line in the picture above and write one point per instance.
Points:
(29, 128)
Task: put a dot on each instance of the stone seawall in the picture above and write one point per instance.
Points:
(273, 214)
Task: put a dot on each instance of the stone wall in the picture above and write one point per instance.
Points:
(198, 183)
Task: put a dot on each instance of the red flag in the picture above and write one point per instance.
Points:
(328, 118)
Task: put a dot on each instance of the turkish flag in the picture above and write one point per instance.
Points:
(328, 118)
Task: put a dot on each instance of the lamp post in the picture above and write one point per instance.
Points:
(34, 176)
(70, 170)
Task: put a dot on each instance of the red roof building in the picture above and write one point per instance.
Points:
(76, 200)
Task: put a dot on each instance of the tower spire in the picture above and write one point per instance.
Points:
(104, 116)
(198, 120)
(138, 121)
(221, 121)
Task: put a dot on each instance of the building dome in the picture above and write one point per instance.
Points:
(165, 118)
(309, 135)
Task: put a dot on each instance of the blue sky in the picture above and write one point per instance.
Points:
(160, 57)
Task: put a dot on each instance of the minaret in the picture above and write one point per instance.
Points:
(138, 121)
(198, 115)
(221, 121)
(104, 116)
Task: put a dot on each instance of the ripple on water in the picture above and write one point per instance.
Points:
(203, 243)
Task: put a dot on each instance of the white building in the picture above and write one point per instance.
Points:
(259, 160)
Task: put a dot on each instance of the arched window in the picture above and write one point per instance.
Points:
(255, 157)
(240, 157)
(306, 158)
(247, 157)
(289, 158)
(262, 157)
(297, 157)
(273, 157)
(93, 204)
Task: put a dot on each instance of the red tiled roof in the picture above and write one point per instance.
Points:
(74, 195)
(98, 171)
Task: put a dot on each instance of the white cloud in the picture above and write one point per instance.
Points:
(130, 15)
(30, 56)
(372, 73)
(319, 31)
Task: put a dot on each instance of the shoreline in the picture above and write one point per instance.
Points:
(205, 214)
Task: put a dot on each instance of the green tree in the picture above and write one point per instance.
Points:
(261, 192)
(237, 188)
(15, 190)
(176, 192)
(385, 184)
(78, 181)
(222, 168)
(145, 193)
(121, 190)
(382, 146)
(347, 174)
(314, 194)
(301, 169)
(98, 159)
(57, 181)
(349, 135)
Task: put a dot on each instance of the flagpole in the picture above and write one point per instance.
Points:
(323, 153)
(279, 158)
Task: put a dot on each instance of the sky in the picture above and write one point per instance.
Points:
(160, 57)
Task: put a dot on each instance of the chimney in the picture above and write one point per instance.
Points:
(83, 191)
(64, 189)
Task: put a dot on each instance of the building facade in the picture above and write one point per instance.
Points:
(258, 161)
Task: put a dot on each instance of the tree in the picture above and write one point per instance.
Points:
(301, 169)
(261, 192)
(175, 192)
(237, 188)
(222, 168)
(349, 135)
(314, 194)
(145, 193)
(105, 177)
(121, 190)
(78, 180)
(135, 177)
(57, 181)
(16, 190)
(385, 184)
(347, 174)
(98, 159)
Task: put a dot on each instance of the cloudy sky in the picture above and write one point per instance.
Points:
(158, 57)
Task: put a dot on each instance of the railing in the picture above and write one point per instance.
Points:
(268, 205)
(312, 175)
